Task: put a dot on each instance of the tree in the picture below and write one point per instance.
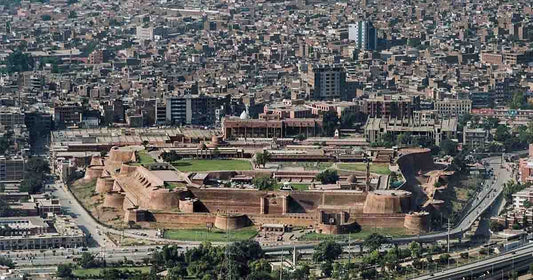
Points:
(64, 271)
(264, 182)
(416, 249)
(216, 152)
(260, 265)
(330, 122)
(326, 268)
(5, 261)
(72, 14)
(348, 119)
(374, 241)
(87, 260)
(495, 226)
(5, 210)
(19, 62)
(464, 255)
(444, 258)
(327, 251)
(170, 156)
(262, 158)
(46, 17)
(328, 176)
(528, 204)
(448, 147)
(490, 123)
(502, 133)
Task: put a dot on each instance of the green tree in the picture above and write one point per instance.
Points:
(5, 210)
(327, 251)
(444, 258)
(72, 14)
(490, 123)
(326, 268)
(416, 249)
(87, 260)
(374, 241)
(46, 17)
(448, 147)
(262, 158)
(330, 123)
(348, 120)
(6, 261)
(264, 182)
(495, 226)
(502, 133)
(327, 176)
(64, 271)
(19, 62)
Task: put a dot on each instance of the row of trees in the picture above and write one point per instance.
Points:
(35, 171)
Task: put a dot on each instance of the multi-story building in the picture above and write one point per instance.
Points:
(11, 116)
(243, 127)
(435, 129)
(145, 33)
(453, 107)
(475, 137)
(96, 57)
(364, 34)
(11, 169)
(25, 233)
(521, 197)
(390, 106)
(67, 115)
(191, 109)
(327, 82)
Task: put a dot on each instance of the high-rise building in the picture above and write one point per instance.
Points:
(364, 34)
(327, 82)
(191, 109)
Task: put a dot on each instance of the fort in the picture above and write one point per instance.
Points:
(144, 198)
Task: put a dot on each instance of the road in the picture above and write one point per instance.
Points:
(490, 267)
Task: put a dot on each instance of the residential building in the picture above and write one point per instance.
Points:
(364, 34)
(453, 107)
(191, 109)
(327, 82)
(475, 137)
(11, 116)
(145, 33)
(11, 169)
(521, 197)
(390, 106)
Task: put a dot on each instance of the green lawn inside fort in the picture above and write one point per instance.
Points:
(86, 272)
(189, 165)
(214, 235)
(379, 168)
(144, 157)
(364, 233)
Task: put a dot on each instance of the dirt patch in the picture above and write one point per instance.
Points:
(85, 192)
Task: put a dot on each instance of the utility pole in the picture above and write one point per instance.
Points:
(448, 235)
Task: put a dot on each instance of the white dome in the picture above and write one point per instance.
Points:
(244, 115)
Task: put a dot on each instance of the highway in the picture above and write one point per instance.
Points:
(509, 261)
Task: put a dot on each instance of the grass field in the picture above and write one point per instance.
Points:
(307, 165)
(84, 272)
(212, 165)
(214, 235)
(144, 157)
(379, 168)
(299, 187)
(394, 232)
(83, 191)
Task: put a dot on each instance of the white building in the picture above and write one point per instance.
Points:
(522, 196)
